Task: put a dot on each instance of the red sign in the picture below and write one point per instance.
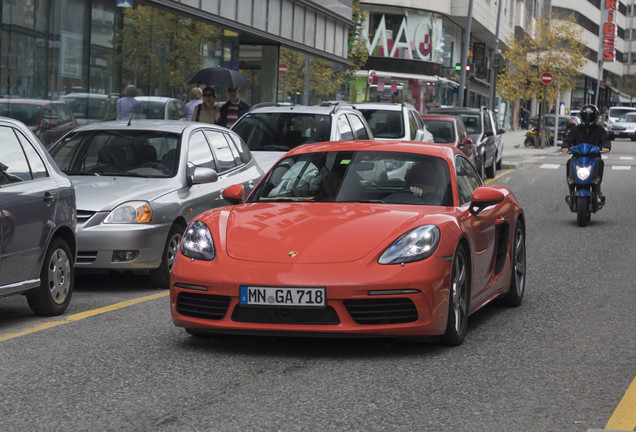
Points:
(546, 78)
(371, 76)
(282, 69)
(608, 30)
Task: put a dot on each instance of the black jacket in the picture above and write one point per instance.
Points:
(595, 135)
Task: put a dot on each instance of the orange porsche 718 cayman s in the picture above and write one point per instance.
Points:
(356, 238)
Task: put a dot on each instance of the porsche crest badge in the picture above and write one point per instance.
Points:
(292, 254)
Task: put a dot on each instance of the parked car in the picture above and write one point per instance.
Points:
(394, 121)
(576, 115)
(624, 127)
(480, 124)
(37, 222)
(353, 238)
(91, 107)
(565, 124)
(450, 130)
(270, 130)
(138, 186)
(48, 120)
(157, 108)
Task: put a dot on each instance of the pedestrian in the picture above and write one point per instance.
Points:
(207, 112)
(128, 105)
(524, 114)
(195, 99)
(233, 109)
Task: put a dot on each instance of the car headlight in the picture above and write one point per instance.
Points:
(197, 242)
(130, 212)
(583, 172)
(415, 245)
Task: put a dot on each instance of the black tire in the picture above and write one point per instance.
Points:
(53, 296)
(161, 275)
(491, 171)
(583, 213)
(458, 300)
(499, 162)
(514, 297)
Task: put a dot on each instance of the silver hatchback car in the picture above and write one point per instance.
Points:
(37, 222)
(139, 184)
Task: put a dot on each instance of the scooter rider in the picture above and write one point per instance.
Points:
(591, 132)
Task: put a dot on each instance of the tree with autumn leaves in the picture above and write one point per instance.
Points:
(554, 47)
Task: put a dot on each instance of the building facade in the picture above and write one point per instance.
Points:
(53, 47)
(606, 32)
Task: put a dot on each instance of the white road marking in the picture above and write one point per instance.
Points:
(621, 167)
(550, 166)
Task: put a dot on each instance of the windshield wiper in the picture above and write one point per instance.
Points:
(123, 174)
(85, 173)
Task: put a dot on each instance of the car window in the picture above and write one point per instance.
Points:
(241, 147)
(38, 169)
(472, 122)
(442, 130)
(487, 122)
(461, 131)
(134, 153)
(224, 157)
(63, 114)
(14, 166)
(344, 128)
(199, 153)
(384, 123)
(358, 127)
(413, 126)
(349, 176)
(467, 180)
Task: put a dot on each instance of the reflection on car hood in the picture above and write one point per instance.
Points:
(317, 232)
(104, 193)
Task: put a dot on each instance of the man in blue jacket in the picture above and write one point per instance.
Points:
(233, 109)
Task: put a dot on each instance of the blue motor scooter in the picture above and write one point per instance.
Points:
(583, 178)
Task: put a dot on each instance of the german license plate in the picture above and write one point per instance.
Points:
(287, 297)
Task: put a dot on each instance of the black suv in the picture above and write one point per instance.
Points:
(482, 128)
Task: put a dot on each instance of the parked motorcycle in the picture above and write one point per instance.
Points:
(582, 179)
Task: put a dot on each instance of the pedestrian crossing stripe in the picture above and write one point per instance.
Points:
(550, 166)
(611, 167)
(621, 167)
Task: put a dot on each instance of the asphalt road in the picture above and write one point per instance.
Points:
(563, 361)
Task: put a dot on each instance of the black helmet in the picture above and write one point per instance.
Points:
(589, 114)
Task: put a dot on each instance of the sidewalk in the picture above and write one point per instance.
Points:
(514, 152)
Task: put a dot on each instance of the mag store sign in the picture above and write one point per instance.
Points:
(411, 36)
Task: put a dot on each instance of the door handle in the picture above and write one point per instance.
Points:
(48, 197)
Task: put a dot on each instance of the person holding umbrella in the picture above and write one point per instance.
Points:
(233, 109)
(207, 112)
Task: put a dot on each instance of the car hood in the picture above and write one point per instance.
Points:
(315, 233)
(104, 193)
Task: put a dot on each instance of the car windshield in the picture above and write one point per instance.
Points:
(618, 112)
(472, 122)
(358, 176)
(282, 131)
(26, 113)
(442, 130)
(631, 118)
(385, 124)
(153, 110)
(129, 153)
(90, 108)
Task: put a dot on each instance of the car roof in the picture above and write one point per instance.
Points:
(440, 117)
(86, 95)
(456, 109)
(442, 151)
(300, 109)
(174, 126)
(26, 101)
(382, 106)
(154, 98)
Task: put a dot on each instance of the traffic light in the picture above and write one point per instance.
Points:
(470, 68)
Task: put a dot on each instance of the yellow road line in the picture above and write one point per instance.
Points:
(499, 176)
(624, 416)
(82, 315)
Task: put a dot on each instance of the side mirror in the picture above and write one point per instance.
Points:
(500, 131)
(203, 175)
(489, 134)
(234, 194)
(484, 197)
(419, 135)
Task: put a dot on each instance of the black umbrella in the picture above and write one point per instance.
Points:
(219, 76)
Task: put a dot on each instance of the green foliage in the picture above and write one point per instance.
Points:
(555, 48)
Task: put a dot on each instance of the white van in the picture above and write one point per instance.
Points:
(618, 111)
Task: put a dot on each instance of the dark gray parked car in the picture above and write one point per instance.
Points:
(482, 127)
(139, 185)
(37, 222)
